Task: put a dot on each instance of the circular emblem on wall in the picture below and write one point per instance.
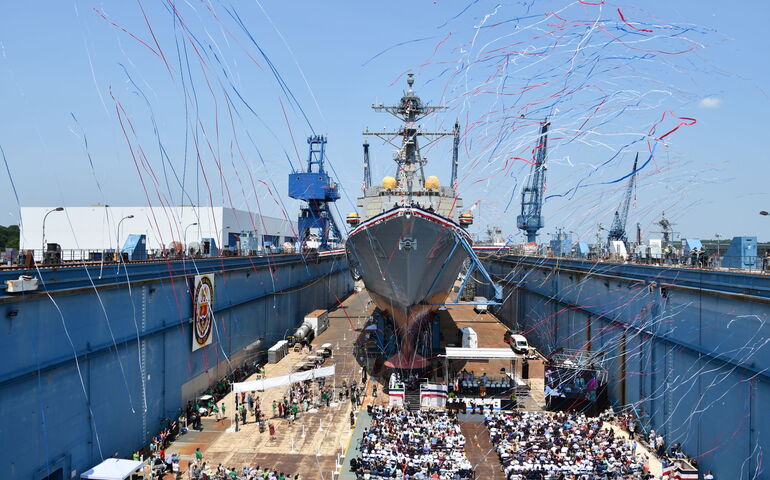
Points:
(204, 293)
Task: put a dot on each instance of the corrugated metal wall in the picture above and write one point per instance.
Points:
(134, 351)
(686, 349)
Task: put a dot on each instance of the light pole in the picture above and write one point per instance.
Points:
(718, 236)
(57, 209)
(117, 249)
(184, 238)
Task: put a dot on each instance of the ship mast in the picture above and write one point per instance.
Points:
(410, 162)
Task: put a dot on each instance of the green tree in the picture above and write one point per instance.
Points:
(9, 236)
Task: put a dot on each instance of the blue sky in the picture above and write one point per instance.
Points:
(59, 59)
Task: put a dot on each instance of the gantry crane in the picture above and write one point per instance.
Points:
(531, 218)
(618, 229)
(317, 189)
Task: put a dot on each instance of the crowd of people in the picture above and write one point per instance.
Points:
(654, 442)
(156, 449)
(204, 471)
(563, 445)
(417, 445)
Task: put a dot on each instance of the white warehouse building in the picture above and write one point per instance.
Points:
(96, 227)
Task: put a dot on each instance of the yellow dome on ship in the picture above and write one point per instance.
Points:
(389, 182)
(432, 183)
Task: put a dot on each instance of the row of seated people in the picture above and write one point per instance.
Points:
(545, 445)
(467, 383)
(417, 445)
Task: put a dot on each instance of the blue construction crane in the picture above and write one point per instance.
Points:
(317, 189)
(618, 229)
(531, 218)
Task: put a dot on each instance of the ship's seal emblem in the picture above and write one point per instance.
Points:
(204, 297)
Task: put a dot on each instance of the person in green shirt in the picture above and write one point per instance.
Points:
(198, 455)
(215, 411)
(223, 409)
(136, 456)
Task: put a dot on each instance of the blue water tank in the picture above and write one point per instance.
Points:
(742, 253)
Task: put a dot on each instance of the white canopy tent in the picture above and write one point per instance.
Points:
(261, 385)
(457, 353)
(113, 469)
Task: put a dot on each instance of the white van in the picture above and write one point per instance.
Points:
(519, 344)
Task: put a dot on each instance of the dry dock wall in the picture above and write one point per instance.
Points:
(686, 349)
(92, 369)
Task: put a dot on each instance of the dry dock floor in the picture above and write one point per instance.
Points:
(310, 446)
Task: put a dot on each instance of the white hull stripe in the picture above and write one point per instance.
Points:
(332, 252)
(414, 211)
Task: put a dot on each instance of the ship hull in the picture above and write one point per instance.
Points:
(409, 260)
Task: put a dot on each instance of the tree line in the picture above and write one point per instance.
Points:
(9, 236)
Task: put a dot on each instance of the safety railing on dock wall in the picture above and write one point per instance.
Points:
(759, 265)
(70, 257)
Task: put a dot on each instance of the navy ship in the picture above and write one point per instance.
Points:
(406, 244)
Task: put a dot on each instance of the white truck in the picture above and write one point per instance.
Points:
(318, 321)
(470, 339)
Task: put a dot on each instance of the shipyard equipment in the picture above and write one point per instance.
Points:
(136, 247)
(52, 254)
(561, 244)
(209, 247)
(531, 218)
(249, 243)
(317, 189)
(314, 324)
(618, 229)
(742, 253)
